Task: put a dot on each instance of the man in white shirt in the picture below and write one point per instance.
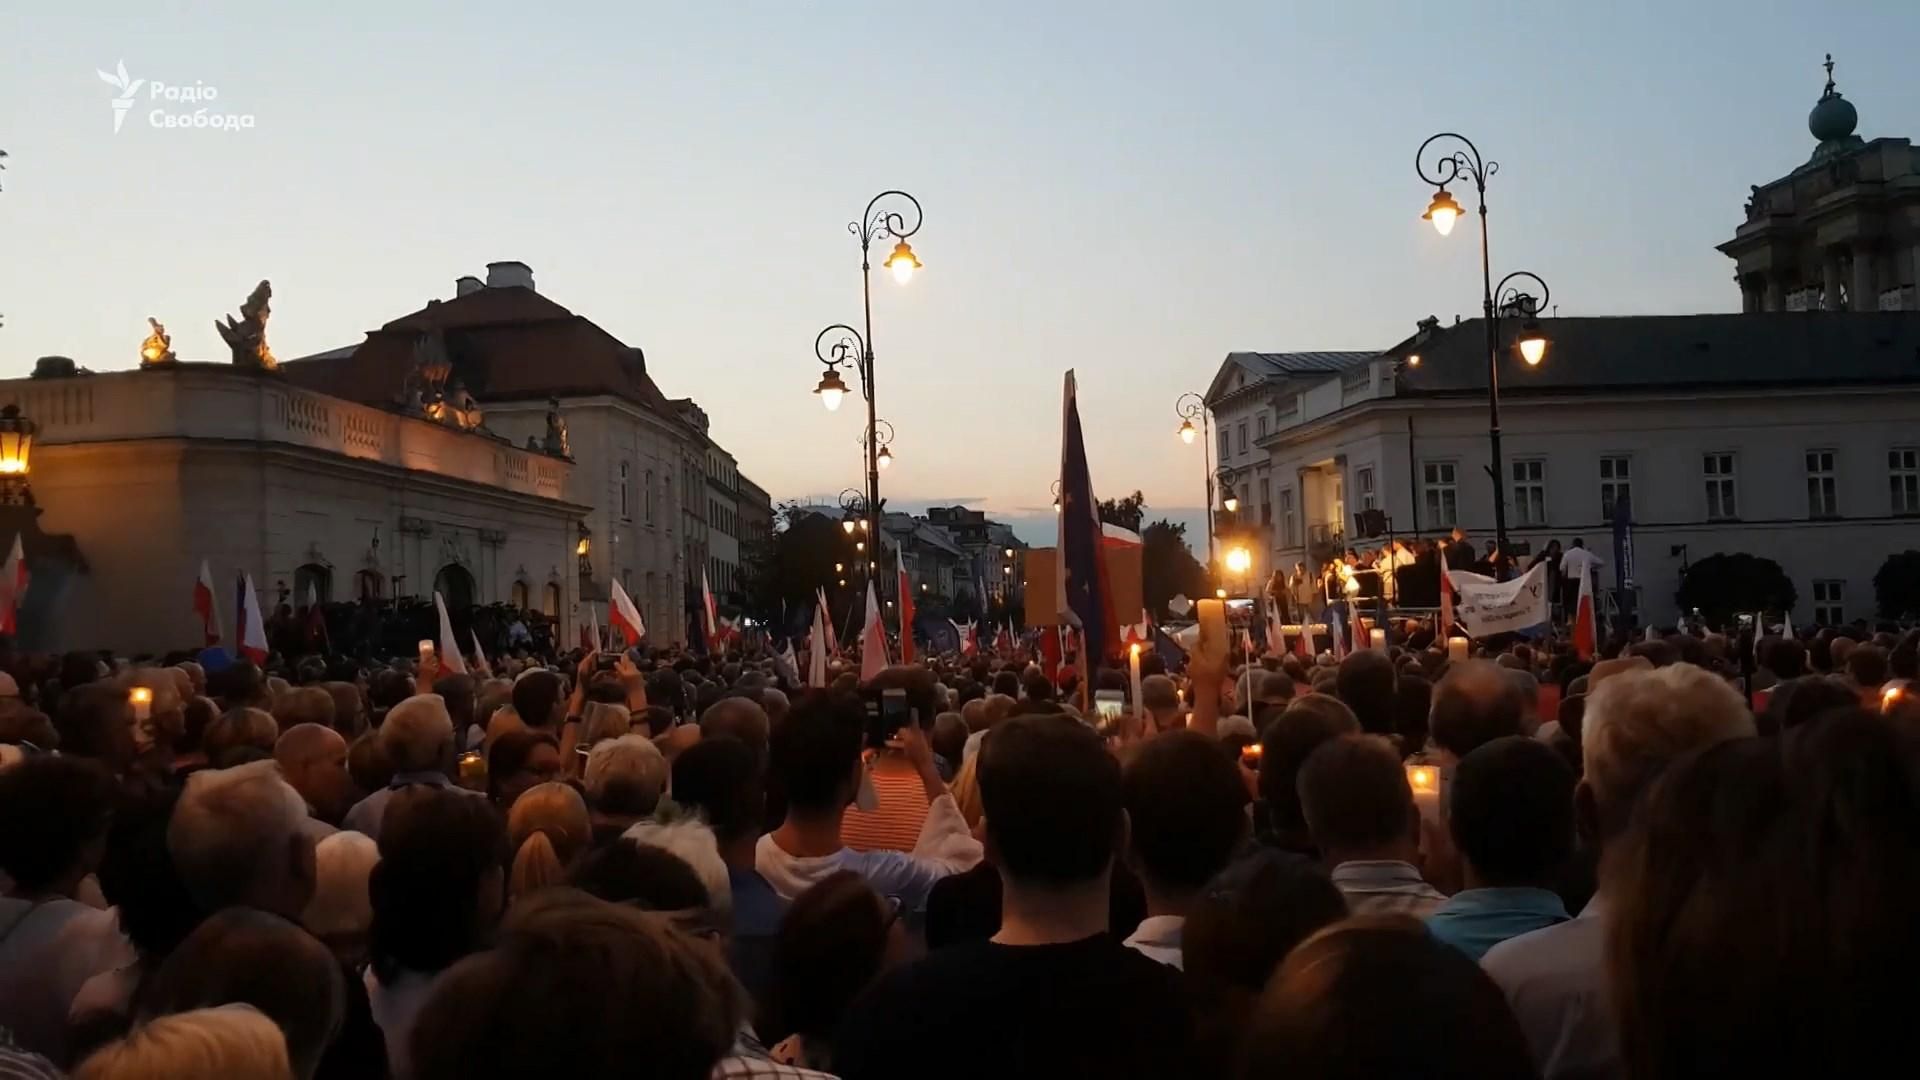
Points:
(1187, 810)
(1555, 978)
(1360, 812)
(1578, 560)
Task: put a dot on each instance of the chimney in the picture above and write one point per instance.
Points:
(506, 275)
(466, 283)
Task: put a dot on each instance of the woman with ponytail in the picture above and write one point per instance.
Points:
(548, 827)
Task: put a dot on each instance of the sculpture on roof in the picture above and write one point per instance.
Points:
(157, 349)
(556, 442)
(426, 391)
(247, 336)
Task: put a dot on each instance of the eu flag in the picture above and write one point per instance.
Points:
(1086, 593)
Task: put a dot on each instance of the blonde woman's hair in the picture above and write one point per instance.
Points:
(966, 791)
(232, 1042)
(548, 826)
(600, 721)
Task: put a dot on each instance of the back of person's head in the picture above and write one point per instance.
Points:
(625, 776)
(439, 883)
(721, 780)
(1867, 666)
(690, 840)
(417, 734)
(650, 878)
(303, 705)
(1412, 706)
(1159, 695)
(816, 753)
(349, 708)
(1323, 1013)
(459, 691)
(56, 811)
(547, 827)
(537, 695)
(240, 956)
(1367, 681)
(232, 1042)
(832, 944)
(1762, 874)
(1475, 702)
(737, 717)
(1187, 807)
(600, 722)
(1355, 797)
(1786, 658)
(1803, 700)
(239, 736)
(388, 687)
(1637, 722)
(139, 877)
(1051, 794)
(577, 987)
(238, 836)
(949, 737)
(1309, 721)
(1007, 683)
(367, 763)
(340, 912)
(1510, 811)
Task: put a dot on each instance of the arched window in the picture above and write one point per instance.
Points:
(626, 513)
(519, 596)
(552, 605)
(455, 584)
(312, 582)
(647, 497)
(370, 585)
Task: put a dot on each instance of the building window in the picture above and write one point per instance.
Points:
(626, 510)
(1718, 470)
(1286, 516)
(1224, 448)
(551, 601)
(1903, 479)
(1530, 491)
(370, 584)
(1263, 425)
(519, 595)
(1363, 479)
(1823, 497)
(1241, 437)
(1828, 596)
(646, 497)
(1266, 506)
(1442, 494)
(1616, 485)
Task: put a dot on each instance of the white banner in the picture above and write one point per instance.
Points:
(1486, 607)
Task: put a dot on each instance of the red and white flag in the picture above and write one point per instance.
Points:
(203, 606)
(590, 631)
(13, 581)
(873, 639)
(253, 628)
(479, 654)
(1303, 641)
(826, 619)
(707, 607)
(1586, 626)
(625, 617)
(450, 658)
(1446, 609)
(817, 650)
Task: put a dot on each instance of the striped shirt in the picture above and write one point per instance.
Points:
(1386, 887)
(895, 826)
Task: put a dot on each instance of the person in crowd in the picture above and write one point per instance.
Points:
(949, 740)
(459, 691)
(340, 913)
(576, 987)
(1036, 1000)
(816, 755)
(1812, 909)
(737, 717)
(1165, 711)
(540, 700)
(546, 828)
(233, 1042)
(1368, 683)
(1187, 808)
(692, 842)
(1867, 668)
(722, 780)
(838, 938)
(1806, 699)
(240, 736)
(1510, 812)
(55, 813)
(1376, 996)
(1289, 739)
(313, 758)
(417, 740)
(349, 709)
(1636, 723)
(892, 819)
(1236, 937)
(239, 837)
(436, 892)
(1362, 819)
(640, 875)
(623, 781)
(518, 761)
(1474, 703)
(241, 956)
(303, 705)
(96, 721)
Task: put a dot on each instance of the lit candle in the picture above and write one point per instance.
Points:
(1133, 671)
(142, 699)
(1457, 648)
(1379, 639)
(1425, 782)
(426, 649)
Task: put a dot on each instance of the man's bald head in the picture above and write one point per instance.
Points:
(739, 717)
(1475, 703)
(301, 744)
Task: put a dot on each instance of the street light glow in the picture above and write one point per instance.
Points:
(1443, 211)
(1239, 559)
(884, 458)
(903, 262)
(1187, 433)
(1533, 343)
(848, 526)
(831, 389)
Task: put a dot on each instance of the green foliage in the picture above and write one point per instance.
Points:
(1721, 584)
(1896, 586)
(1168, 568)
(1127, 513)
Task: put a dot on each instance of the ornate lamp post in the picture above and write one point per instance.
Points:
(896, 221)
(1188, 407)
(1443, 211)
(16, 452)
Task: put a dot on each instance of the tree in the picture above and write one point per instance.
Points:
(1896, 586)
(1721, 584)
(1126, 513)
(798, 558)
(1167, 566)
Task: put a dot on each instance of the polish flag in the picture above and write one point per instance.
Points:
(707, 608)
(1446, 608)
(1303, 641)
(817, 650)
(450, 659)
(590, 631)
(1338, 631)
(906, 618)
(1586, 630)
(13, 580)
(625, 617)
(203, 606)
(253, 628)
(873, 639)
(479, 654)
(964, 635)
(826, 619)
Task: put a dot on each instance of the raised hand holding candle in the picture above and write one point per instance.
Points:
(1457, 648)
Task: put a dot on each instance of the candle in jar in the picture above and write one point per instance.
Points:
(1457, 648)
(142, 699)
(1133, 672)
(1425, 782)
(1380, 639)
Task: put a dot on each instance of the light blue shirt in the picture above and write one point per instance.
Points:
(365, 816)
(1476, 920)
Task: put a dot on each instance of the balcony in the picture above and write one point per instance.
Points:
(1325, 542)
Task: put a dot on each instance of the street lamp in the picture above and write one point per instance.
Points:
(16, 452)
(1239, 559)
(1056, 496)
(899, 219)
(883, 432)
(1443, 211)
(1189, 407)
(1228, 500)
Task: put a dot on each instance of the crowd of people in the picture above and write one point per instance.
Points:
(1406, 571)
(1669, 861)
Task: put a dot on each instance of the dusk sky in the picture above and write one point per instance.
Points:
(1129, 189)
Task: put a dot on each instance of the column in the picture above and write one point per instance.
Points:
(1866, 288)
(1776, 295)
(1830, 280)
(1749, 296)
